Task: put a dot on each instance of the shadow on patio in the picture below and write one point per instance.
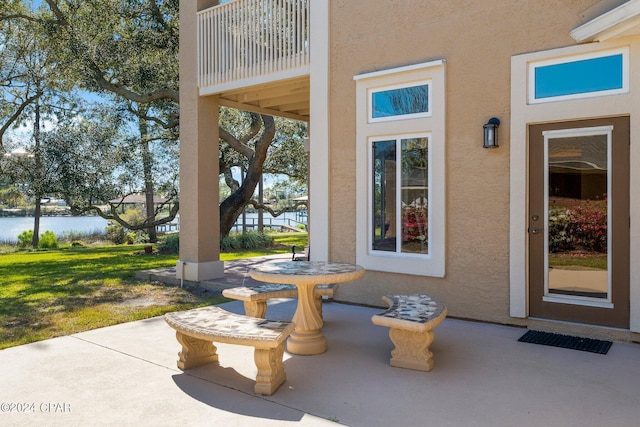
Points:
(126, 375)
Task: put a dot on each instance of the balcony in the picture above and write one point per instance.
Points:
(254, 54)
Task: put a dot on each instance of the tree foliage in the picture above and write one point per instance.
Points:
(126, 52)
(255, 144)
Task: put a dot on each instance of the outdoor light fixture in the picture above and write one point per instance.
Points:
(491, 133)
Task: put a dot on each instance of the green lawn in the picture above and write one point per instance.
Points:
(45, 294)
(579, 261)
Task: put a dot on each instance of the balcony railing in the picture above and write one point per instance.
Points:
(246, 39)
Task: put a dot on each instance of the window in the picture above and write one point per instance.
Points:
(400, 170)
(580, 76)
(400, 195)
(402, 102)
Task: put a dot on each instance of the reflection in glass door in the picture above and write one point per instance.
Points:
(577, 221)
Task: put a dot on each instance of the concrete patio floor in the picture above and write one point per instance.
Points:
(127, 375)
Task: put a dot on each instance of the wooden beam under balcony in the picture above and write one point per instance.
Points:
(284, 98)
(269, 91)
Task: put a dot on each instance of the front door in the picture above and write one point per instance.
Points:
(579, 221)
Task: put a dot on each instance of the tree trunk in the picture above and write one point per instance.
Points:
(261, 201)
(35, 241)
(232, 206)
(147, 161)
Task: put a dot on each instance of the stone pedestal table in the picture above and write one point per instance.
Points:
(307, 338)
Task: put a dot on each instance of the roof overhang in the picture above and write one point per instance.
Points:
(285, 98)
(623, 21)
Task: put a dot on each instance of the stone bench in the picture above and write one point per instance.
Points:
(255, 299)
(198, 329)
(299, 256)
(411, 319)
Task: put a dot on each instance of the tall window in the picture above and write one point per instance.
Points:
(400, 169)
(401, 195)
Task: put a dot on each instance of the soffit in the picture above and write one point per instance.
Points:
(285, 98)
(622, 21)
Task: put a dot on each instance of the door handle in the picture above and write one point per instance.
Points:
(535, 230)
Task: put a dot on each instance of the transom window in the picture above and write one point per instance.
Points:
(579, 76)
(400, 193)
(407, 101)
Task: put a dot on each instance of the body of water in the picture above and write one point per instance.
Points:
(291, 219)
(10, 228)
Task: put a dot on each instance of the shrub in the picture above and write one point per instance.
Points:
(589, 227)
(169, 244)
(119, 234)
(83, 237)
(415, 223)
(583, 227)
(115, 233)
(48, 240)
(24, 238)
(77, 243)
(250, 240)
(560, 239)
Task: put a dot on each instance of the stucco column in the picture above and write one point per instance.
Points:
(199, 211)
(319, 175)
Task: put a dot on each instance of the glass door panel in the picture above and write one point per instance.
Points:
(577, 220)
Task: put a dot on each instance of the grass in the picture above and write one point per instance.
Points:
(579, 261)
(44, 294)
(283, 243)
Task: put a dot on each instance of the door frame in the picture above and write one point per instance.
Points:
(523, 114)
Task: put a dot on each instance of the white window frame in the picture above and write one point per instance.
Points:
(574, 299)
(574, 58)
(398, 202)
(373, 91)
(430, 125)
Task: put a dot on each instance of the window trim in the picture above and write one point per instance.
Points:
(398, 199)
(534, 65)
(432, 265)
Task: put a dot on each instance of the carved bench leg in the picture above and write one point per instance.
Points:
(255, 308)
(271, 373)
(195, 352)
(318, 301)
(411, 349)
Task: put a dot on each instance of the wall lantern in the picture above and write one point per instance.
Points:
(491, 133)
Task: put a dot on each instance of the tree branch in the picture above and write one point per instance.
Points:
(20, 16)
(17, 114)
(175, 118)
(98, 74)
(273, 213)
(235, 144)
(232, 183)
(155, 11)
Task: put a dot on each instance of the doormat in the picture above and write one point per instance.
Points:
(566, 341)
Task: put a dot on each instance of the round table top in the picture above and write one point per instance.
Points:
(306, 272)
